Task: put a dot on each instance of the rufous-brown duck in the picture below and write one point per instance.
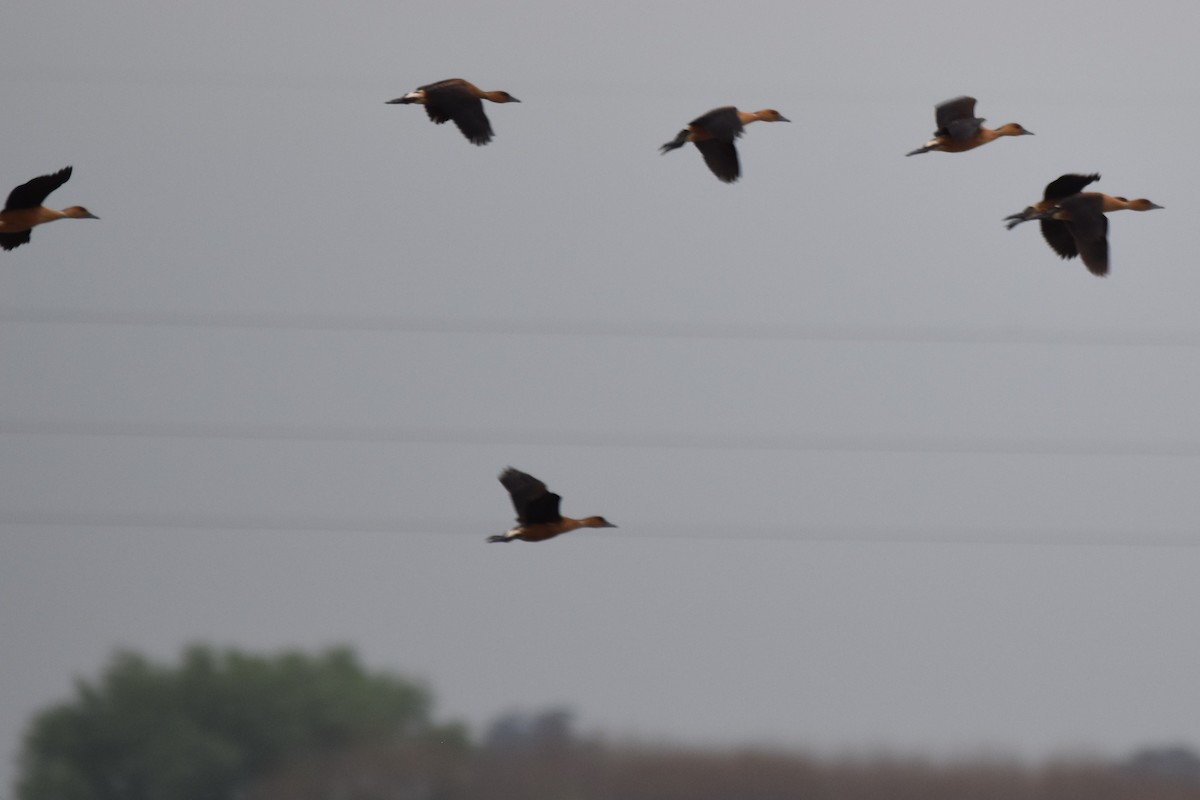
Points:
(1073, 221)
(458, 101)
(538, 518)
(958, 129)
(714, 134)
(24, 210)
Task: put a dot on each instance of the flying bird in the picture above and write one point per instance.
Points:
(537, 511)
(458, 101)
(24, 210)
(1073, 221)
(958, 129)
(714, 133)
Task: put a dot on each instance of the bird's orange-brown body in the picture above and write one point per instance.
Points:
(714, 133)
(24, 210)
(959, 130)
(461, 102)
(538, 518)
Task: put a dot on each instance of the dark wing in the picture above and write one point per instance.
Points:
(1089, 226)
(1058, 236)
(451, 100)
(1068, 185)
(720, 123)
(32, 193)
(956, 118)
(721, 157)
(10, 240)
(532, 500)
(962, 130)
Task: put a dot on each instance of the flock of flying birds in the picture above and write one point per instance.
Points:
(1072, 221)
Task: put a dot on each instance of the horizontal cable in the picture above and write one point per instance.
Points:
(817, 443)
(894, 334)
(958, 535)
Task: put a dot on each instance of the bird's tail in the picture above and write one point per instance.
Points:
(920, 150)
(499, 537)
(679, 141)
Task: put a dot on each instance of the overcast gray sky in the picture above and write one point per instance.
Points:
(887, 475)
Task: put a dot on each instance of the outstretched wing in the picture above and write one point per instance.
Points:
(721, 123)
(1058, 236)
(453, 101)
(1089, 226)
(10, 240)
(956, 118)
(532, 500)
(33, 193)
(721, 157)
(1068, 185)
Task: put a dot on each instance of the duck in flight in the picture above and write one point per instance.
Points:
(458, 101)
(958, 129)
(537, 511)
(1073, 221)
(714, 133)
(24, 210)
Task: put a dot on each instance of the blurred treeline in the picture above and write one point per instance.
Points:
(225, 725)
(593, 771)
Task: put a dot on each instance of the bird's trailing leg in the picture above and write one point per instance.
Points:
(679, 141)
(1030, 213)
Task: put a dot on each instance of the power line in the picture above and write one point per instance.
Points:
(799, 534)
(816, 333)
(799, 443)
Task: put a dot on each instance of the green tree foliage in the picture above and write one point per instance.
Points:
(207, 728)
